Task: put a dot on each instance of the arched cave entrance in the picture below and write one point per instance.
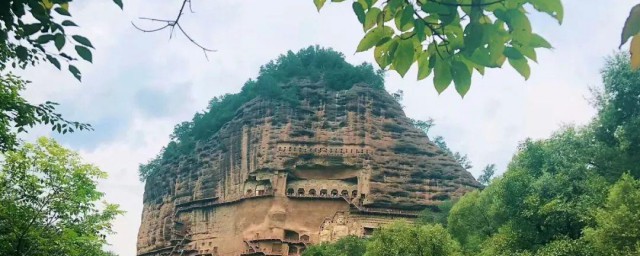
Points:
(301, 191)
(290, 191)
(334, 192)
(354, 193)
(291, 235)
(312, 192)
(344, 193)
(304, 238)
(323, 192)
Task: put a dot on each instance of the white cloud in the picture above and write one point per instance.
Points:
(500, 110)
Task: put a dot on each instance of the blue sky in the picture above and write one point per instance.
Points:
(142, 84)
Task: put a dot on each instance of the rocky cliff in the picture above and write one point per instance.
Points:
(280, 175)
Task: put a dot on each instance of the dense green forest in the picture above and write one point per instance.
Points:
(575, 193)
(273, 83)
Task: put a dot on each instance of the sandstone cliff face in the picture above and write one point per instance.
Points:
(279, 176)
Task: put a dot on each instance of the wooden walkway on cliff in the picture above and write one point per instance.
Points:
(255, 249)
(213, 201)
(357, 206)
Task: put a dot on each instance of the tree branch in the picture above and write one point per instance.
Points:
(172, 24)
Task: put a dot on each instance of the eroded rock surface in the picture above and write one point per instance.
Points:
(279, 177)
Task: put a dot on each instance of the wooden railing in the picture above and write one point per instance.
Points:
(202, 203)
(358, 206)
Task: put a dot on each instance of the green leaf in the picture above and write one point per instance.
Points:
(366, 4)
(520, 26)
(30, 29)
(119, 3)
(82, 40)
(424, 70)
(53, 61)
(419, 29)
(513, 53)
(59, 41)
(62, 11)
(387, 14)
(69, 23)
(529, 52)
(551, 7)
(319, 3)
(359, 10)
(404, 56)
(395, 4)
(84, 53)
(539, 42)
(371, 18)
(631, 25)
(372, 38)
(482, 57)
(441, 75)
(461, 77)
(521, 65)
(406, 19)
(473, 35)
(43, 39)
(21, 52)
(382, 53)
(435, 8)
(75, 72)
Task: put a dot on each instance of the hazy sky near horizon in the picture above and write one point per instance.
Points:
(142, 84)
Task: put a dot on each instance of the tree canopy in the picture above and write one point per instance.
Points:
(48, 202)
(553, 196)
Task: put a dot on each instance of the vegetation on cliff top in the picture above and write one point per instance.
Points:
(314, 63)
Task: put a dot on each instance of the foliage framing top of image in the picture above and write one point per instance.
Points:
(451, 38)
(30, 32)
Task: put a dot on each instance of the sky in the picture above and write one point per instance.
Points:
(142, 84)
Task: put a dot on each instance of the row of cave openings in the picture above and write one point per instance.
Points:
(320, 150)
(323, 192)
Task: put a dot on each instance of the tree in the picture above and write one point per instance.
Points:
(487, 174)
(29, 31)
(438, 216)
(398, 96)
(471, 221)
(48, 203)
(617, 126)
(401, 238)
(425, 126)
(346, 246)
(552, 200)
(617, 230)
